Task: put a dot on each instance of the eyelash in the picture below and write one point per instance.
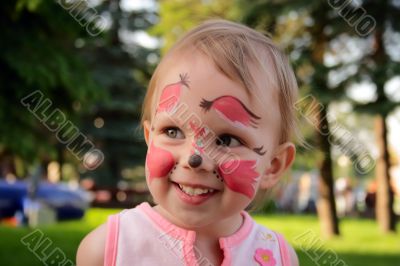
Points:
(231, 136)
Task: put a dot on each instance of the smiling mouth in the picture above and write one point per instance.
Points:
(195, 191)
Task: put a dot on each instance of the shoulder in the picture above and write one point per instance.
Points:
(91, 248)
(294, 261)
(270, 238)
(288, 251)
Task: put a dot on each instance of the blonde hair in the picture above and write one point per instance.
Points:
(234, 48)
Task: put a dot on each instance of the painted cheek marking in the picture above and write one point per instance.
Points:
(171, 94)
(242, 178)
(159, 162)
(232, 110)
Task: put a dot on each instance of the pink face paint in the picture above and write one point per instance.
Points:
(171, 94)
(240, 176)
(259, 150)
(231, 109)
(159, 162)
(198, 140)
(198, 132)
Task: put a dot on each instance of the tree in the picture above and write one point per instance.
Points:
(305, 29)
(369, 27)
(177, 17)
(121, 65)
(378, 65)
(37, 53)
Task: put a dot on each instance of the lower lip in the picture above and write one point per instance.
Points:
(193, 200)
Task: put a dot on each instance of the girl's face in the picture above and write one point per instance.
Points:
(209, 143)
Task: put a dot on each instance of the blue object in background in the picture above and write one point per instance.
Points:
(67, 203)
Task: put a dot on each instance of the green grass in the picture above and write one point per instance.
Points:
(64, 235)
(361, 244)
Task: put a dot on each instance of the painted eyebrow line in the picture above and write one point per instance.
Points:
(259, 150)
(185, 79)
(206, 105)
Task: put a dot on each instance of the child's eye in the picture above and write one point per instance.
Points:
(173, 133)
(228, 141)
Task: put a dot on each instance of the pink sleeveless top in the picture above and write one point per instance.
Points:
(141, 236)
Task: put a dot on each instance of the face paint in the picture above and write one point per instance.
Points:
(242, 178)
(231, 109)
(198, 147)
(198, 132)
(171, 94)
(159, 162)
(198, 141)
(259, 150)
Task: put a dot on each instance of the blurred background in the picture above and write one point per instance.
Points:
(73, 75)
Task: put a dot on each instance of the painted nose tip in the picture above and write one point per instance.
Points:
(195, 160)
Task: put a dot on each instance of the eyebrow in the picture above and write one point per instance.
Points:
(224, 104)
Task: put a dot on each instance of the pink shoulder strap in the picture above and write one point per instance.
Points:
(110, 253)
(283, 247)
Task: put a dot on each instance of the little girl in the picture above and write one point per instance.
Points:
(218, 118)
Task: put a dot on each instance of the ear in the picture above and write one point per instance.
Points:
(281, 161)
(146, 129)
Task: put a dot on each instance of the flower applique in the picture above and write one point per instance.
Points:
(264, 257)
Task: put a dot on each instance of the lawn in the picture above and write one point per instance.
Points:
(360, 243)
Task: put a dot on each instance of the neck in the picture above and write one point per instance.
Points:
(207, 239)
(224, 228)
(214, 231)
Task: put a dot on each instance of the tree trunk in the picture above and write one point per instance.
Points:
(326, 202)
(60, 160)
(384, 194)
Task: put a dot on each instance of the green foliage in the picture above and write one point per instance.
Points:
(310, 30)
(121, 66)
(177, 17)
(46, 47)
(37, 53)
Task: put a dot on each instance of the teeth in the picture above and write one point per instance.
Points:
(194, 191)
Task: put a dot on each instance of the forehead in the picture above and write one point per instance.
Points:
(205, 81)
(202, 74)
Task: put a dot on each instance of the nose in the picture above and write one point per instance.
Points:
(195, 160)
(195, 156)
(199, 162)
